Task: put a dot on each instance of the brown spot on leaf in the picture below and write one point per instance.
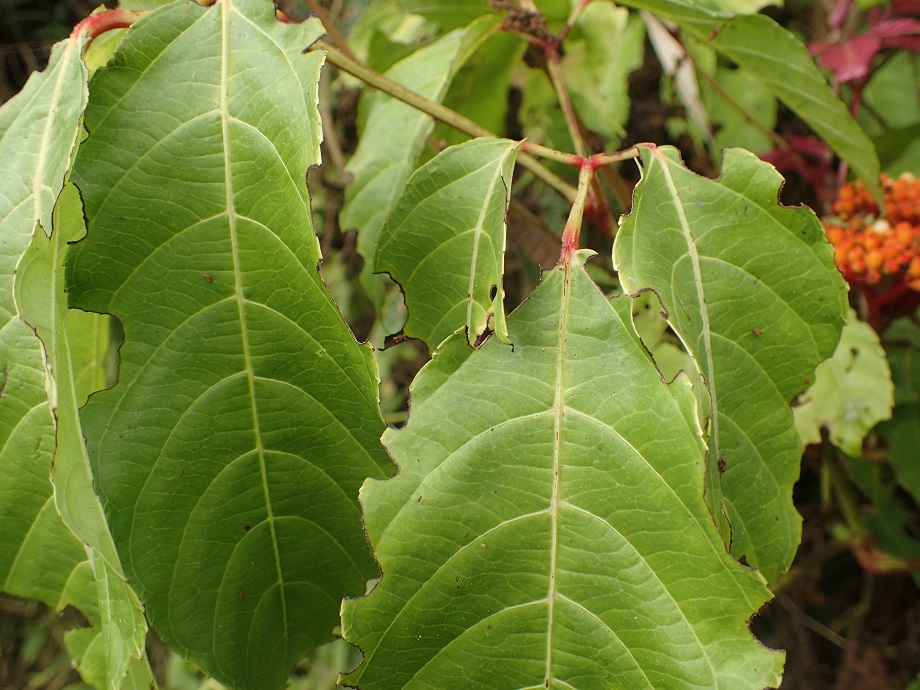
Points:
(758, 332)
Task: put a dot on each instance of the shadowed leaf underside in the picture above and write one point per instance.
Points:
(229, 455)
(547, 528)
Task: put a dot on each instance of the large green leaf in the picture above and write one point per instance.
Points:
(783, 66)
(116, 656)
(547, 528)
(229, 455)
(38, 130)
(41, 558)
(43, 305)
(450, 264)
(718, 255)
(393, 138)
(852, 391)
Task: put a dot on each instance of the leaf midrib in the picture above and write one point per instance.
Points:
(477, 234)
(558, 418)
(701, 297)
(38, 178)
(225, 118)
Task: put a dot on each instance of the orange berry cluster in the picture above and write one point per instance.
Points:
(868, 247)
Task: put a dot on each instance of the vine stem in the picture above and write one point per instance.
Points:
(454, 119)
(599, 210)
(329, 25)
(570, 22)
(599, 160)
(554, 70)
(572, 232)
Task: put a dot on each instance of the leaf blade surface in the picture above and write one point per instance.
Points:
(549, 502)
(393, 139)
(444, 241)
(229, 455)
(717, 254)
(42, 556)
(38, 129)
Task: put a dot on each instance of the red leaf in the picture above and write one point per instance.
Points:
(892, 28)
(850, 60)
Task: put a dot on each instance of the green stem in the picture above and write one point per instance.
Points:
(845, 495)
(554, 70)
(453, 118)
(572, 232)
(329, 25)
(599, 160)
(570, 22)
(600, 209)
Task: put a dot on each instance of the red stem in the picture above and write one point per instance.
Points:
(97, 24)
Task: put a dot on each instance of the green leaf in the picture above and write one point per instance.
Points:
(783, 66)
(41, 557)
(738, 6)
(393, 138)
(733, 122)
(718, 255)
(241, 390)
(903, 431)
(120, 626)
(893, 91)
(547, 527)
(450, 14)
(852, 391)
(651, 325)
(40, 292)
(38, 130)
(541, 118)
(444, 241)
(782, 63)
(597, 66)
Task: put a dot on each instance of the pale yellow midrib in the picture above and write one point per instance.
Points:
(558, 412)
(226, 7)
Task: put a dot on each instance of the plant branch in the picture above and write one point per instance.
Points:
(599, 209)
(572, 232)
(453, 118)
(329, 133)
(570, 22)
(554, 71)
(845, 495)
(329, 25)
(599, 160)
